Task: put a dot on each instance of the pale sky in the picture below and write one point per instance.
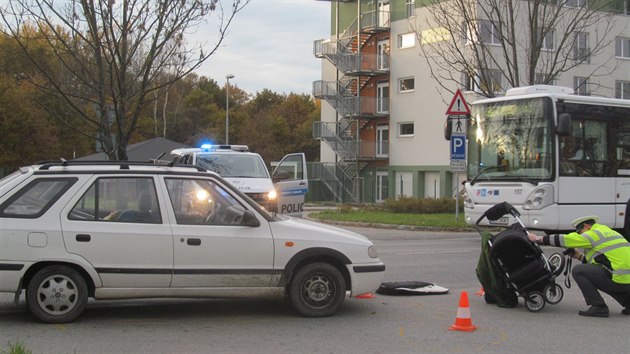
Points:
(270, 46)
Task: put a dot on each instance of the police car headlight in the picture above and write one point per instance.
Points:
(272, 195)
(372, 252)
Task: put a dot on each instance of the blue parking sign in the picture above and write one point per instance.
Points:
(458, 147)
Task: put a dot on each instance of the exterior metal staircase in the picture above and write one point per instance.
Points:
(355, 69)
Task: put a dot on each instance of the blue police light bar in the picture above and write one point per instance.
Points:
(210, 147)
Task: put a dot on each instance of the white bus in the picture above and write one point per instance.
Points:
(553, 155)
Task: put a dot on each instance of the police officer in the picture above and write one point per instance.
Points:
(606, 263)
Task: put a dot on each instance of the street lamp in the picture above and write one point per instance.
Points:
(227, 108)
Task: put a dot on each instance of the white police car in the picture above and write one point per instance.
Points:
(283, 192)
(71, 230)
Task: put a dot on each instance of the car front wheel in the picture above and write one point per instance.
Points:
(317, 290)
(57, 294)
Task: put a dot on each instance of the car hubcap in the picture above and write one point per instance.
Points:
(57, 295)
(318, 290)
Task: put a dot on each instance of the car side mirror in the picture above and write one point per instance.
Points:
(564, 124)
(250, 219)
(280, 176)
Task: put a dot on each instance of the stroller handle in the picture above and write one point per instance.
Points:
(499, 210)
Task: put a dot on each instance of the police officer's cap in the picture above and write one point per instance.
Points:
(575, 223)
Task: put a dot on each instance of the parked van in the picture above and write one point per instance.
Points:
(283, 191)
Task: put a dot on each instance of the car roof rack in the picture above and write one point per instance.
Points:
(124, 165)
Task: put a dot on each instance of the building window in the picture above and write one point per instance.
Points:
(488, 32)
(488, 80)
(406, 85)
(622, 89)
(382, 97)
(406, 40)
(581, 85)
(382, 186)
(547, 42)
(574, 3)
(405, 129)
(581, 50)
(541, 79)
(622, 47)
(410, 7)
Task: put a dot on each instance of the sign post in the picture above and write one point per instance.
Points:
(458, 112)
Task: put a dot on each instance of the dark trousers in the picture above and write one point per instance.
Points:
(591, 278)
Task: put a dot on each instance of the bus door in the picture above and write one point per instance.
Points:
(291, 182)
(587, 185)
(622, 156)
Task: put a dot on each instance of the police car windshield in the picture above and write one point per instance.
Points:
(234, 165)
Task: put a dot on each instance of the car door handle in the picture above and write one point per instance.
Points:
(83, 238)
(193, 241)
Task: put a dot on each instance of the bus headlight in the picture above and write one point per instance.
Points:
(468, 203)
(539, 198)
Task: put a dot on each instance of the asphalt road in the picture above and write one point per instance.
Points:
(383, 324)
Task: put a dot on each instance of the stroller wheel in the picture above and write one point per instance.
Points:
(557, 263)
(534, 301)
(553, 293)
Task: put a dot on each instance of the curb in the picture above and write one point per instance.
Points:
(392, 226)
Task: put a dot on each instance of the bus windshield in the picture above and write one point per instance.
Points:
(511, 140)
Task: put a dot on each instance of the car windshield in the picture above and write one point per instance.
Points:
(511, 140)
(234, 165)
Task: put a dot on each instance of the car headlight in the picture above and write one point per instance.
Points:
(539, 198)
(372, 252)
(272, 195)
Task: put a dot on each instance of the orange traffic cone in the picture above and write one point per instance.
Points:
(481, 292)
(463, 322)
(365, 296)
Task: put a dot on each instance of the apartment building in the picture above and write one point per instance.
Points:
(384, 106)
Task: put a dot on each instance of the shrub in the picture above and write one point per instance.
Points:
(344, 209)
(420, 205)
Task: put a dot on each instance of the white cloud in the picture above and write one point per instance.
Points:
(270, 46)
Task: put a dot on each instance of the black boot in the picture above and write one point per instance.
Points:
(595, 311)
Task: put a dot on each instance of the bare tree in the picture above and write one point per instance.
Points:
(114, 57)
(496, 44)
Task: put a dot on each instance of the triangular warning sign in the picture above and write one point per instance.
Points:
(458, 105)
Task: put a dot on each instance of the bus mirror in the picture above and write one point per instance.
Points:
(564, 124)
(448, 128)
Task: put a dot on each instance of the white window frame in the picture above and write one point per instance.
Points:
(622, 89)
(382, 186)
(382, 97)
(574, 3)
(382, 141)
(474, 83)
(547, 42)
(622, 47)
(401, 125)
(410, 8)
(406, 40)
(493, 32)
(406, 84)
(539, 79)
(581, 51)
(580, 84)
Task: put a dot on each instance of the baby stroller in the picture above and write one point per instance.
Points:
(520, 265)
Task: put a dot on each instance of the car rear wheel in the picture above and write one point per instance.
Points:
(57, 294)
(317, 290)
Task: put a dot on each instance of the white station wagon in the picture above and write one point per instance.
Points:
(70, 230)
